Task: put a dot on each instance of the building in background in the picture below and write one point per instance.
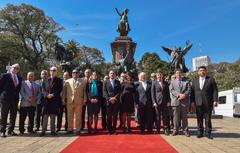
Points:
(200, 61)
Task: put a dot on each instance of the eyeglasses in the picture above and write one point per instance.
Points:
(75, 72)
(53, 70)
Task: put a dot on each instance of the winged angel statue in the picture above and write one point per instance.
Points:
(177, 56)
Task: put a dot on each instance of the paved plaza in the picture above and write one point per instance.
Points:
(226, 139)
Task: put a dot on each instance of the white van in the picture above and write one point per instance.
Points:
(229, 103)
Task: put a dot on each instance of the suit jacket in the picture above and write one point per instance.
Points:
(40, 83)
(176, 89)
(27, 92)
(8, 92)
(109, 91)
(51, 105)
(207, 95)
(159, 95)
(75, 93)
(143, 97)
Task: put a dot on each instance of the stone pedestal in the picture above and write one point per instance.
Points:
(119, 48)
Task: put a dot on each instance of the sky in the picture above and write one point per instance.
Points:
(213, 26)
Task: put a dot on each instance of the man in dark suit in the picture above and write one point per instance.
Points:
(161, 101)
(111, 91)
(10, 86)
(144, 103)
(204, 96)
(52, 88)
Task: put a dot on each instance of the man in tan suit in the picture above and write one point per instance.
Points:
(75, 99)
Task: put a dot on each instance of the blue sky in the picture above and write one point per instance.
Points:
(213, 26)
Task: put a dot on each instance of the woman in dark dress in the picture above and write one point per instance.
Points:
(127, 100)
(94, 102)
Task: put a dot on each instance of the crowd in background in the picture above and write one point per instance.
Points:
(154, 104)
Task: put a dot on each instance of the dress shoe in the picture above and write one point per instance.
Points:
(186, 133)
(209, 136)
(21, 133)
(200, 135)
(174, 133)
(32, 132)
(69, 132)
(53, 133)
(42, 134)
(3, 135)
(12, 133)
(166, 132)
(129, 130)
(37, 130)
(58, 130)
(114, 132)
(78, 133)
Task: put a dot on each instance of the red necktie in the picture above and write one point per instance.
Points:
(50, 85)
(32, 89)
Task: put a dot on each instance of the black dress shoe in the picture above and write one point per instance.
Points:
(53, 133)
(69, 132)
(78, 133)
(209, 136)
(42, 134)
(58, 130)
(12, 133)
(3, 135)
(37, 130)
(200, 135)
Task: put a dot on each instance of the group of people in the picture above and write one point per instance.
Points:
(153, 101)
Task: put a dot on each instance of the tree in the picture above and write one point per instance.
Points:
(35, 32)
(150, 62)
(88, 58)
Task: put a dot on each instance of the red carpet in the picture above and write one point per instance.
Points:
(121, 143)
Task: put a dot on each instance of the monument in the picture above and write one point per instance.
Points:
(65, 57)
(177, 56)
(123, 48)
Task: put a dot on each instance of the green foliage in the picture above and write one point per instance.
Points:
(32, 33)
(150, 62)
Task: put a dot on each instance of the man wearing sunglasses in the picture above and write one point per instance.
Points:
(10, 85)
(75, 95)
(52, 88)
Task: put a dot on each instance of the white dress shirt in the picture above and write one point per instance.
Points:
(202, 81)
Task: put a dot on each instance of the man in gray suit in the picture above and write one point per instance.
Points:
(179, 92)
(30, 97)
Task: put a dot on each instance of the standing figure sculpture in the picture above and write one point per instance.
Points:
(123, 26)
(177, 56)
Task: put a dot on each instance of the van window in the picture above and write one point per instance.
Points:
(222, 100)
(237, 97)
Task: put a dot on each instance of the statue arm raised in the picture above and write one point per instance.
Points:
(187, 48)
(118, 12)
(167, 50)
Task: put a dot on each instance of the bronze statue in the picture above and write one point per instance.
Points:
(123, 26)
(177, 56)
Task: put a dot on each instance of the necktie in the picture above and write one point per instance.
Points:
(179, 83)
(161, 86)
(50, 85)
(32, 89)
